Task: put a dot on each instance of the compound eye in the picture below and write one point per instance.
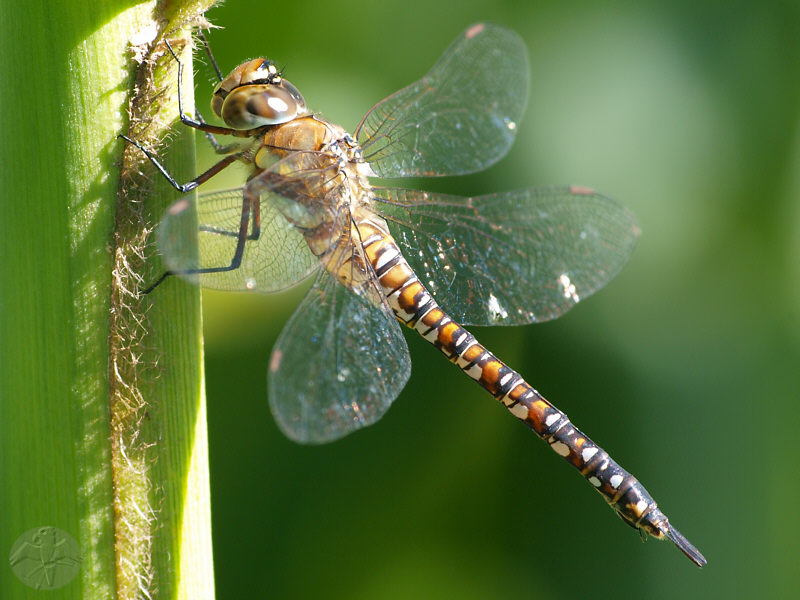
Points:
(217, 99)
(256, 71)
(295, 93)
(258, 105)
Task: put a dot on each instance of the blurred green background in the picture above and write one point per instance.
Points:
(686, 368)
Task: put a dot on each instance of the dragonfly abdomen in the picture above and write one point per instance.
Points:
(416, 308)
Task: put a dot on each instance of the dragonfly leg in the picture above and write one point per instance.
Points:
(250, 207)
(255, 233)
(189, 185)
(212, 139)
(218, 148)
(210, 54)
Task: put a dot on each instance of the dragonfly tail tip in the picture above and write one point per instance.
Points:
(686, 547)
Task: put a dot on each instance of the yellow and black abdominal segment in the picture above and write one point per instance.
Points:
(416, 308)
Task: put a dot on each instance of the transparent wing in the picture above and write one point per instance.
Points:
(277, 259)
(337, 366)
(261, 223)
(306, 187)
(510, 258)
(460, 118)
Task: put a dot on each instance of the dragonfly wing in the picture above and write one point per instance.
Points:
(460, 118)
(304, 187)
(272, 206)
(338, 365)
(510, 258)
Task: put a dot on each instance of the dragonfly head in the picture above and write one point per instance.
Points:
(254, 95)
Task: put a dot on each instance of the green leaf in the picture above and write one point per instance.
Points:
(102, 416)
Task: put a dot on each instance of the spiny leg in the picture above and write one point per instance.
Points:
(255, 230)
(201, 34)
(212, 139)
(191, 184)
(209, 130)
(250, 205)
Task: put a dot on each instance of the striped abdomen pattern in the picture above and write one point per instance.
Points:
(414, 306)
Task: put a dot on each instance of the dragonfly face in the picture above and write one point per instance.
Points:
(389, 256)
(255, 95)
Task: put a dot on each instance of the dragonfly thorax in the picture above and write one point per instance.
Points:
(255, 95)
(345, 149)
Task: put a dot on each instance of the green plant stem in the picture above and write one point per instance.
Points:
(102, 418)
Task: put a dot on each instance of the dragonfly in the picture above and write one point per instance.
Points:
(382, 257)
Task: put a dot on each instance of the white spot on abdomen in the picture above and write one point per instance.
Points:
(403, 314)
(384, 258)
(615, 481)
(560, 448)
(588, 453)
(392, 298)
(474, 371)
(552, 419)
(519, 410)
